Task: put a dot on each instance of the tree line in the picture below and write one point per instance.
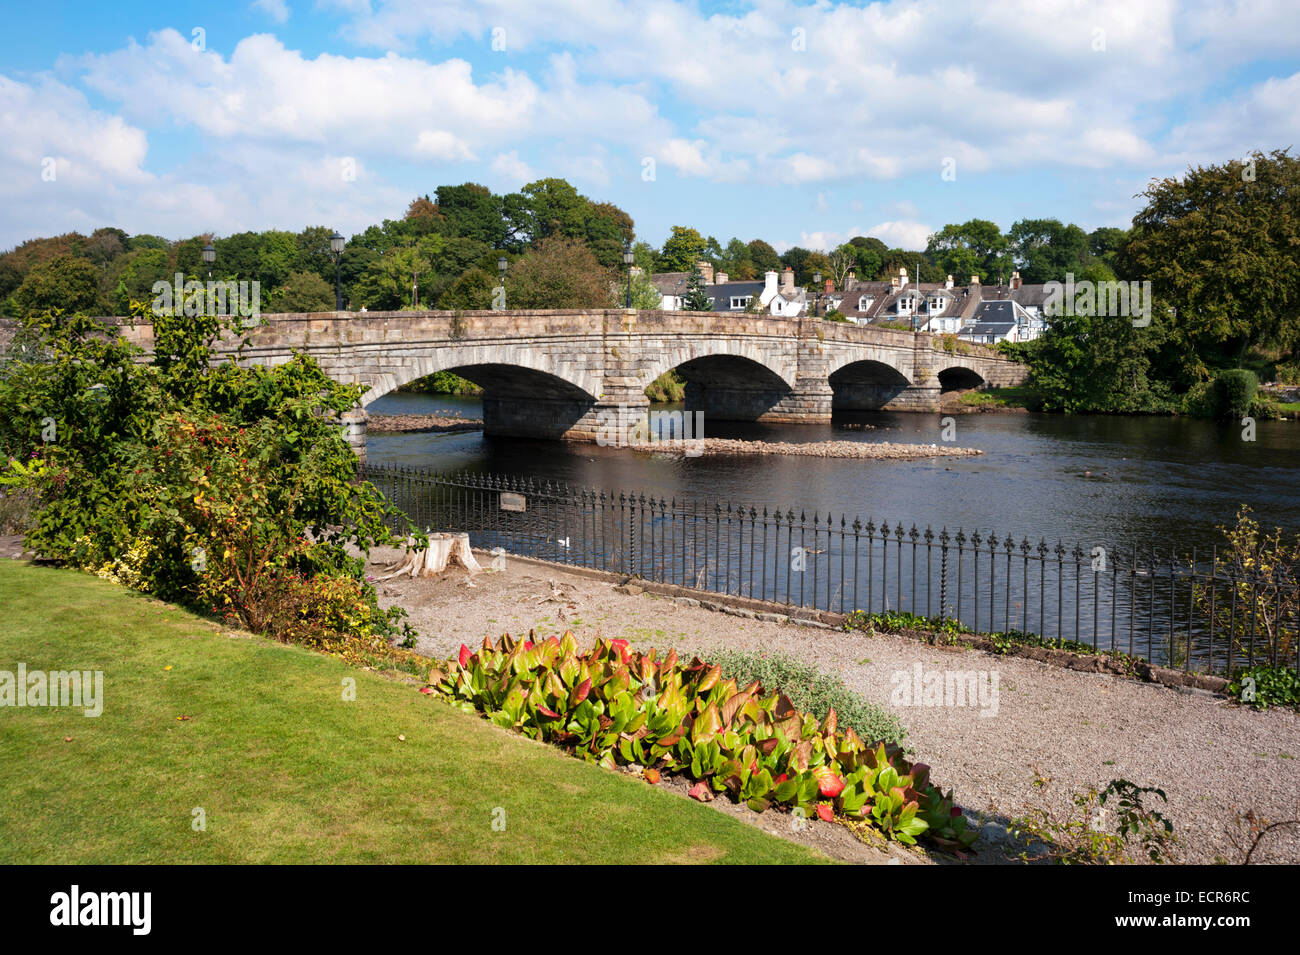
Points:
(1220, 245)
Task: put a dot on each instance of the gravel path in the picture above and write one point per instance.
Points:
(1081, 729)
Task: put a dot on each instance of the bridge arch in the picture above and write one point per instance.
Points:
(866, 385)
(780, 363)
(960, 377)
(514, 371)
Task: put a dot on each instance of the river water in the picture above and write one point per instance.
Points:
(1090, 480)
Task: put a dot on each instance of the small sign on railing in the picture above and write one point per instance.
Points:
(513, 502)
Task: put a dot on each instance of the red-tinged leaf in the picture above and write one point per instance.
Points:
(652, 776)
(426, 689)
(621, 647)
(548, 713)
(710, 679)
(829, 784)
(464, 655)
(701, 792)
(528, 644)
(956, 811)
(780, 779)
(829, 725)
(580, 692)
(825, 812)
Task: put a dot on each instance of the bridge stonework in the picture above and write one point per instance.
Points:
(551, 374)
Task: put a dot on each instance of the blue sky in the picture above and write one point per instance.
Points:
(801, 123)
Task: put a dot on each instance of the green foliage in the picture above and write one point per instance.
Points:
(1266, 685)
(682, 250)
(616, 707)
(977, 247)
(66, 283)
(810, 690)
(1256, 597)
(472, 291)
(951, 631)
(1085, 836)
(1233, 392)
(696, 298)
(1288, 374)
(667, 388)
(226, 488)
(443, 383)
(558, 273)
(303, 292)
(1221, 247)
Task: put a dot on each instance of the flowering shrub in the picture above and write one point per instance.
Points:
(614, 706)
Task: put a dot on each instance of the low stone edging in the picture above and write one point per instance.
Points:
(749, 608)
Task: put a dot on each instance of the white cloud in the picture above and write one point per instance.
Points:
(902, 234)
(512, 168)
(277, 10)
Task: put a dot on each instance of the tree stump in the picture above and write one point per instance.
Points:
(444, 549)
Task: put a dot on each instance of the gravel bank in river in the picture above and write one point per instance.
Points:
(881, 450)
(1082, 729)
(420, 422)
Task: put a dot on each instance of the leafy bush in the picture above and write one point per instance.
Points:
(224, 488)
(1255, 595)
(1230, 395)
(810, 690)
(1082, 835)
(613, 706)
(1287, 374)
(443, 383)
(668, 387)
(1265, 685)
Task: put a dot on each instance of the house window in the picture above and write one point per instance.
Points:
(740, 301)
(864, 303)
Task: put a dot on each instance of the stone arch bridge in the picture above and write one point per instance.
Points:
(550, 374)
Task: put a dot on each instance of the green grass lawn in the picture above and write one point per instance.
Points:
(283, 768)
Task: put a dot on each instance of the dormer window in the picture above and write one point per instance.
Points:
(864, 303)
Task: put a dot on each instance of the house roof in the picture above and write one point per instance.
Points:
(721, 294)
(670, 283)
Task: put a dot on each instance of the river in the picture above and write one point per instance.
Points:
(1089, 480)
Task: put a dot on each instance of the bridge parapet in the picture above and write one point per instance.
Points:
(551, 373)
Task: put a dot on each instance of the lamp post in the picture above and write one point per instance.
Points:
(209, 256)
(817, 284)
(336, 246)
(628, 259)
(501, 267)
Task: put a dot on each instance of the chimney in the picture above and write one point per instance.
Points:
(948, 282)
(635, 270)
(706, 270)
(769, 285)
(1015, 281)
(787, 280)
(830, 286)
(975, 280)
(893, 283)
(852, 277)
(902, 276)
(722, 278)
